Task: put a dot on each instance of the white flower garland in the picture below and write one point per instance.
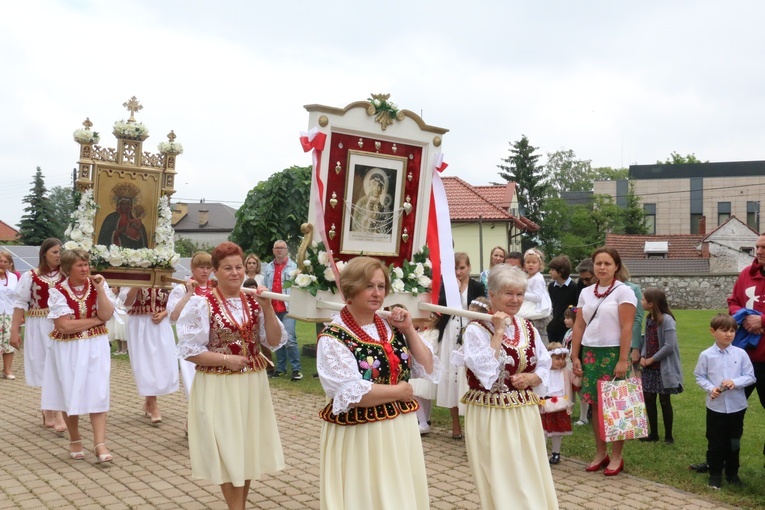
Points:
(174, 148)
(131, 130)
(84, 135)
(80, 235)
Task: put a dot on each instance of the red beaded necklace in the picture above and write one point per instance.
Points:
(393, 361)
(607, 292)
(79, 294)
(516, 337)
(245, 328)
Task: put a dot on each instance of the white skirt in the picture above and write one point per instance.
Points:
(374, 466)
(36, 346)
(116, 330)
(76, 378)
(508, 457)
(232, 428)
(448, 393)
(188, 369)
(152, 356)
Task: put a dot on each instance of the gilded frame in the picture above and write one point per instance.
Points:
(374, 188)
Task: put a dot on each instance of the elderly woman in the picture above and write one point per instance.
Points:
(76, 373)
(233, 437)
(31, 297)
(8, 281)
(371, 452)
(603, 333)
(508, 371)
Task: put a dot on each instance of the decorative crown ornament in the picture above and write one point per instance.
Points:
(385, 111)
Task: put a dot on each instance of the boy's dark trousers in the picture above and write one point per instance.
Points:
(724, 442)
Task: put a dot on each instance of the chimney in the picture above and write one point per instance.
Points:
(203, 217)
(703, 225)
(179, 211)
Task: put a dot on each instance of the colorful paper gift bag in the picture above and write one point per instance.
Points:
(623, 414)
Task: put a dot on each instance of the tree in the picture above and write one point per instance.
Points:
(521, 167)
(677, 159)
(274, 209)
(606, 173)
(633, 214)
(39, 221)
(186, 247)
(566, 173)
(63, 202)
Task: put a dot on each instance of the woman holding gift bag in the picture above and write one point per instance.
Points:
(603, 333)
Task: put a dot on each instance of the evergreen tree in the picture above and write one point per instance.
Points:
(633, 214)
(521, 167)
(38, 222)
(64, 201)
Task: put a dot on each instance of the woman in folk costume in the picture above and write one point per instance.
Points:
(76, 378)
(197, 285)
(8, 282)
(153, 354)
(508, 370)
(371, 452)
(32, 298)
(233, 438)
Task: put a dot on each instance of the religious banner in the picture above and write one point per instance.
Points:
(124, 216)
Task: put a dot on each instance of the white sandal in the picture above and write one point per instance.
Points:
(77, 455)
(104, 457)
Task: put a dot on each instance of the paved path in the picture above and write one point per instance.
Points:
(151, 466)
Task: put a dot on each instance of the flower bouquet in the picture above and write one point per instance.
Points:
(130, 130)
(171, 148)
(315, 274)
(85, 135)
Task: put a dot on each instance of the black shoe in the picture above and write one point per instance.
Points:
(669, 440)
(296, 375)
(699, 468)
(734, 480)
(649, 439)
(555, 459)
(277, 373)
(715, 481)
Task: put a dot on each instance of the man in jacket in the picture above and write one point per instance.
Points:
(276, 272)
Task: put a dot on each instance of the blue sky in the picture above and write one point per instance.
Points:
(619, 83)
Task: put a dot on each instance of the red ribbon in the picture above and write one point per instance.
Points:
(432, 239)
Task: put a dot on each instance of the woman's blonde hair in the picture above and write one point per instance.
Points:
(533, 252)
(7, 255)
(357, 273)
(201, 258)
(256, 259)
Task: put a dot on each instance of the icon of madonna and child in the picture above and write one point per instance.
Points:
(124, 226)
(373, 211)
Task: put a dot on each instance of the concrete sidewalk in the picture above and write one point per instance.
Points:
(151, 467)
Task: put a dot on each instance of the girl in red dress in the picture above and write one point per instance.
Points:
(556, 406)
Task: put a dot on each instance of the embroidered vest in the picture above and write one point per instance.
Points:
(149, 301)
(226, 337)
(39, 290)
(513, 360)
(373, 366)
(85, 308)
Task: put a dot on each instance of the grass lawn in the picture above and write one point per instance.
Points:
(663, 463)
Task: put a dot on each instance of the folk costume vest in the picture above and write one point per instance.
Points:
(515, 357)
(40, 289)
(85, 307)
(227, 336)
(382, 362)
(149, 301)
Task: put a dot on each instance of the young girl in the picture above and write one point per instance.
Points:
(660, 360)
(116, 326)
(569, 317)
(556, 406)
(425, 391)
(536, 292)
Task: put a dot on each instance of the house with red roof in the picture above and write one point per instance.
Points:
(483, 217)
(8, 234)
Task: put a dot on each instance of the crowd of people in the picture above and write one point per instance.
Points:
(512, 377)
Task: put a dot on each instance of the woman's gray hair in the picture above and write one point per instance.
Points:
(503, 276)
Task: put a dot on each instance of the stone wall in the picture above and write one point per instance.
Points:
(703, 292)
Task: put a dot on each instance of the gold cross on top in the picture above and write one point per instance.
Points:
(132, 106)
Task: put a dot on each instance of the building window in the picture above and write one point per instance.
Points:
(695, 221)
(650, 218)
(753, 215)
(723, 212)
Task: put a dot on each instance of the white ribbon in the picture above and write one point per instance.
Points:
(448, 275)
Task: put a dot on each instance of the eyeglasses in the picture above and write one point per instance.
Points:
(586, 279)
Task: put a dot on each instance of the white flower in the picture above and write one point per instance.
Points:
(76, 235)
(307, 263)
(424, 281)
(397, 285)
(419, 270)
(398, 272)
(340, 264)
(323, 258)
(428, 264)
(70, 245)
(303, 280)
(329, 274)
